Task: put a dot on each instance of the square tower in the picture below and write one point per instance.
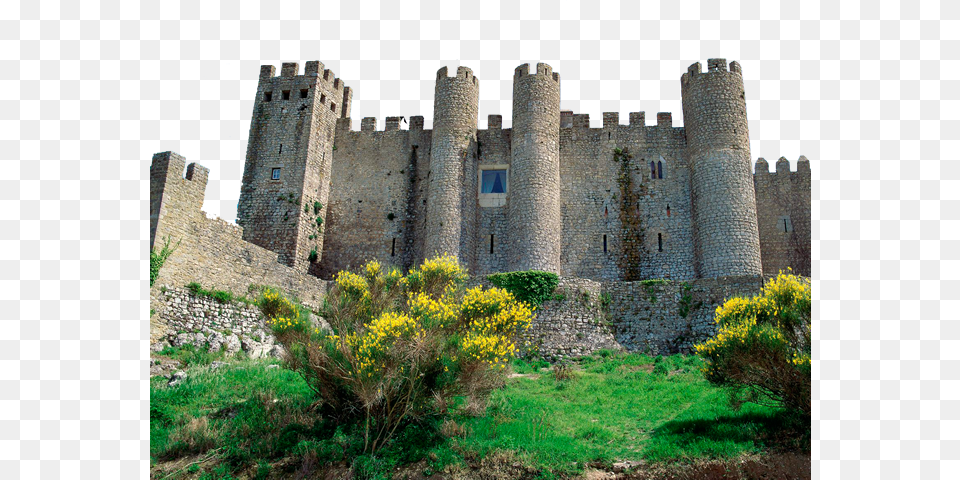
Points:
(286, 177)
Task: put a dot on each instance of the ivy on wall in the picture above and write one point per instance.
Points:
(158, 258)
(631, 229)
(531, 286)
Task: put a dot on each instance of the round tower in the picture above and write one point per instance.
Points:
(727, 241)
(455, 109)
(534, 177)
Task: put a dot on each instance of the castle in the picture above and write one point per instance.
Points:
(610, 205)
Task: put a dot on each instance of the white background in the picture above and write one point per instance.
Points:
(90, 90)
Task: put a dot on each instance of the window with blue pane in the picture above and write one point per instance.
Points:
(493, 181)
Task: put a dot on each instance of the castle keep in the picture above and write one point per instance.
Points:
(607, 206)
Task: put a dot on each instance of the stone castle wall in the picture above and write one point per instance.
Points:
(378, 203)
(603, 207)
(783, 214)
(211, 251)
(208, 324)
(584, 316)
(671, 317)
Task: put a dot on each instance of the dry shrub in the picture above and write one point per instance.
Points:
(195, 436)
(452, 429)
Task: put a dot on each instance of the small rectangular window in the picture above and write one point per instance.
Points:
(276, 174)
(286, 94)
(303, 93)
(333, 107)
(267, 96)
(785, 225)
(323, 98)
(493, 181)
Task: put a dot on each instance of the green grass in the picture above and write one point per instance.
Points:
(232, 408)
(617, 407)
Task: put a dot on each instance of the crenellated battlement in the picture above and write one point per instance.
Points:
(714, 66)
(316, 84)
(611, 120)
(782, 166)
(542, 70)
(391, 124)
(463, 73)
(312, 70)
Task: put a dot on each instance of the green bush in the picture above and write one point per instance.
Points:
(762, 348)
(218, 295)
(530, 286)
(158, 258)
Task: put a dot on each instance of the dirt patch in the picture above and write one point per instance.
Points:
(785, 466)
(531, 376)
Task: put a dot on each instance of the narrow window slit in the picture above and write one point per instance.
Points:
(604, 244)
(660, 242)
(491, 243)
(281, 148)
(668, 210)
(393, 247)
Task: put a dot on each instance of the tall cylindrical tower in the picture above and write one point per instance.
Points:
(455, 109)
(534, 178)
(727, 240)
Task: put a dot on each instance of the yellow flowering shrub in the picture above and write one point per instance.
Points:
(351, 285)
(431, 313)
(494, 350)
(404, 345)
(275, 305)
(374, 345)
(762, 347)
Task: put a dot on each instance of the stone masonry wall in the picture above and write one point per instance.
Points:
(291, 132)
(718, 149)
(372, 214)
(208, 324)
(534, 196)
(783, 214)
(493, 148)
(453, 146)
(573, 324)
(670, 317)
(212, 251)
